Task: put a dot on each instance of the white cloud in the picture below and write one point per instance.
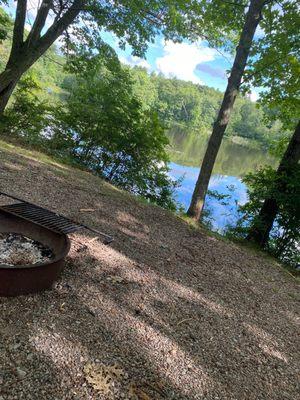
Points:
(254, 96)
(181, 59)
(135, 61)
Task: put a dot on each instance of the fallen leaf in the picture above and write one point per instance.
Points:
(103, 377)
(95, 375)
(115, 370)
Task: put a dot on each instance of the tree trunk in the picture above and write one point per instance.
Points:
(252, 19)
(25, 53)
(8, 81)
(16, 66)
(260, 231)
(12, 73)
(6, 93)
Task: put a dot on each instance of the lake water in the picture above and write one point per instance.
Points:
(233, 162)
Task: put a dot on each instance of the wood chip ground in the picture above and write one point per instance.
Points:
(165, 312)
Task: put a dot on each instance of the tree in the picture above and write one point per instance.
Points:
(134, 22)
(115, 136)
(272, 56)
(145, 87)
(278, 72)
(252, 20)
(263, 222)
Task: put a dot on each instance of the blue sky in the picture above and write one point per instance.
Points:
(194, 62)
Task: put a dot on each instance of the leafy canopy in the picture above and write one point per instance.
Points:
(275, 62)
(4, 24)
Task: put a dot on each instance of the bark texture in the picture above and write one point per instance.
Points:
(25, 53)
(260, 231)
(252, 20)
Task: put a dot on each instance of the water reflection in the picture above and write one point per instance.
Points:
(233, 162)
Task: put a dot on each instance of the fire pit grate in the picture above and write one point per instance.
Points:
(46, 218)
(38, 215)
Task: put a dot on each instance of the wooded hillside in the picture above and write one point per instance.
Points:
(179, 104)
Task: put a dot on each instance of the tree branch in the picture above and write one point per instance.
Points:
(18, 32)
(54, 61)
(58, 27)
(243, 5)
(39, 22)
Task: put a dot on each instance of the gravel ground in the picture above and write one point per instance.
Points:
(164, 312)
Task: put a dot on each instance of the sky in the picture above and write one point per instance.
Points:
(195, 62)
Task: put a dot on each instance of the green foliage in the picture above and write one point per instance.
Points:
(185, 103)
(275, 62)
(104, 126)
(193, 108)
(137, 23)
(145, 87)
(4, 25)
(50, 72)
(27, 116)
(284, 240)
(81, 53)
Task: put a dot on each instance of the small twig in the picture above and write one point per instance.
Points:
(290, 274)
(184, 320)
(52, 59)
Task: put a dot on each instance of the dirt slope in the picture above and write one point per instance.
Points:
(165, 312)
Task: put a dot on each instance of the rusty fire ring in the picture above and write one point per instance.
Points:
(46, 227)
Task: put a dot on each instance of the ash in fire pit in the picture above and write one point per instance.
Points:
(16, 249)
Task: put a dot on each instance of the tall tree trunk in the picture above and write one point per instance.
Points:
(16, 66)
(25, 53)
(260, 230)
(7, 90)
(242, 52)
(10, 76)
(8, 81)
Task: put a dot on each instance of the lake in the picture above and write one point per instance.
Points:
(233, 162)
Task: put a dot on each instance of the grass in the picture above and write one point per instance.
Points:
(31, 153)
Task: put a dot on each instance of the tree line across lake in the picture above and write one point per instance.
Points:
(190, 107)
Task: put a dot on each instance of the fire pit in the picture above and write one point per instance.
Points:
(29, 278)
(34, 247)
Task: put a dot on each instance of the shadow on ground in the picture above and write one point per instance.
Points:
(186, 316)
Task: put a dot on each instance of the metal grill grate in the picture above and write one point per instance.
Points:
(43, 217)
(46, 218)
